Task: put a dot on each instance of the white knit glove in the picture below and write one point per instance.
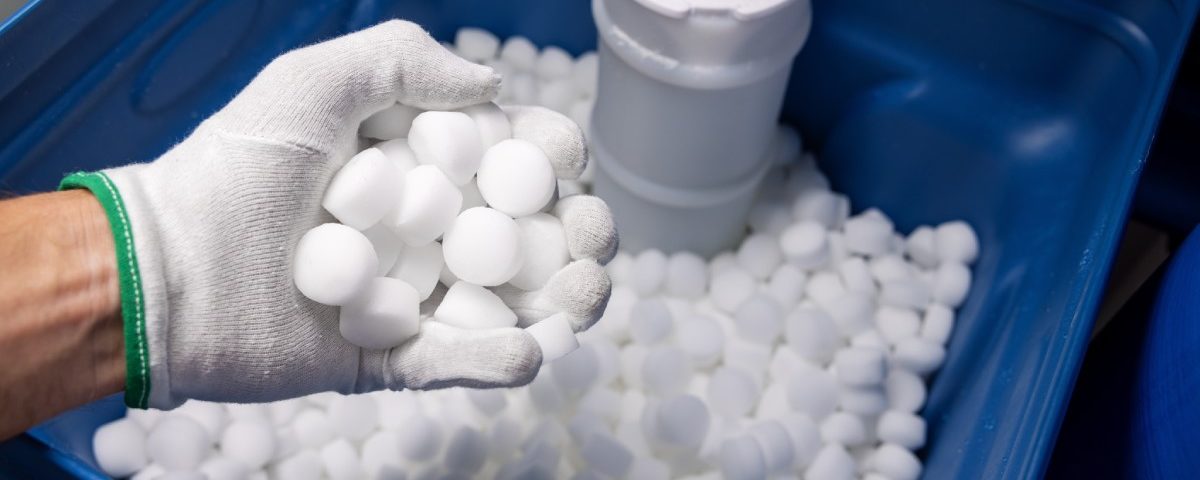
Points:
(205, 235)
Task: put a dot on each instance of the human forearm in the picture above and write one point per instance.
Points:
(61, 341)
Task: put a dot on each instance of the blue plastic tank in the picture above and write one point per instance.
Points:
(1030, 119)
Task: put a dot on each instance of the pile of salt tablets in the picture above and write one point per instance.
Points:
(802, 353)
(445, 199)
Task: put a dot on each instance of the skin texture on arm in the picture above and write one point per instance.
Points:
(61, 342)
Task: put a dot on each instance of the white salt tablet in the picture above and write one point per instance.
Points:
(146, 418)
(340, 460)
(252, 443)
(420, 267)
(759, 319)
(389, 123)
(312, 428)
(544, 243)
(742, 459)
(911, 294)
(222, 468)
(937, 324)
(304, 465)
(832, 462)
(844, 429)
(817, 205)
(775, 444)
(606, 455)
(211, 416)
(402, 158)
(488, 402)
(333, 263)
(665, 371)
(504, 438)
(380, 457)
(421, 437)
(576, 371)
(519, 52)
(852, 312)
(868, 234)
(650, 321)
(825, 288)
(386, 244)
(769, 217)
(558, 94)
(702, 339)
(856, 276)
(905, 391)
(751, 357)
(860, 367)
(687, 275)
(786, 285)
(555, 337)
(466, 451)
(921, 247)
(901, 428)
(178, 443)
(120, 447)
(476, 44)
(891, 268)
(545, 394)
(896, 463)
(151, 472)
(951, 283)
(483, 247)
(732, 392)
(585, 72)
(956, 242)
(812, 334)
(553, 62)
(429, 201)
(384, 315)
(491, 121)
(354, 416)
(516, 178)
(863, 401)
(731, 287)
(812, 391)
(649, 271)
(449, 140)
(680, 421)
(896, 324)
(805, 437)
(760, 254)
(362, 190)
(919, 356)
(471, 306)
(805, 244)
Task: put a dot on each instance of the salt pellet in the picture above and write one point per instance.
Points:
(702, 339)
(429, 202)
(870, 339)
(649, 271)
(868, 234)
(523, 88)
(449, 140)
(558, 95)
(421, 437)
(852, 312)
(605, 403)
(686, 276)
(341, 460)
(120, 447)
(919, 356)
(390, 123)
(555, 337)
(466, 451)
(576, 371)
(812, 334)
(905, 391)
(223, 468)
(896, 324)
(890, 268)
(860, 367)
(773, 403)
(304, 465)
(492, 123)
(312, 428)
(742, 459)
(251, 443)
(825, 288)
(751, 357)
(896, 463)
(732, 392)
(476, 44)
(832, 462)
(178, 443)
(770, 218)
(606, 455)
(760, 254)
(786, 285)
(937, 323)
(759, 319)
(680, 421)
(545, 394)
(380, 456)
(504, 438)
(805, 244)
(844, 429)
(361, 192)
(632, 358)
(901, 428)
(544, 250)
(648, 468)
(333, 263)
(856, 276)
(951, 282)
(383, 315)
(812, 391)
(904, 294)
(805, 437)
(665, 370)
(354, 416)
(816, 205)
(151, 472)
(419, 267)
(483, 247)
(553, 62)
(519, 52)
(956, 242)
(146, 418)
(921, 247)
(730, 288)
(471, 306)
(516, 178)
(863, 401)
(650, 321)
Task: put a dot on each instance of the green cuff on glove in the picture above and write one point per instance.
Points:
(137, 352)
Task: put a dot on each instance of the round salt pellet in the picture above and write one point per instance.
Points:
(759, 319)
(812, 391)
(402, 158)
(650, 321)
(868, 234)
(146, 418)
(545, 394)
(937, 324)
(379, 456)
(722, 262)
(603, 402)
(856, 276)
(251, 443)
(390, 123)
(483, 247)
(649, 272)
(178, 443)
(384, 315)
(354, 416)
(760, 254)
(910, 294)
(681, 421)
(825, 288)
(575, 372)
(340, 460)
(544, 247)
(905, 391)
(812, 334)
(956, 242)
(211, 416)
(471, 306)
(519, 52)
(901, 428)
(844, 429)
(553, 62)
(555, 337)
(951, 283)
(787, 284)
(805, 244)
(896, 324)
(921, 247)
(666, 370)
(863, 401)
(361, 192)
(769, 217)
(421, 437)
(420, 267)
(312, 428)
(504, 438)
(731, 287)
(558, 95)
(702, 339)
(817, 205)
(805, 437)
(775, 444)
(894, 462)
(223, 468)
(687, 275)
(304, 465)
(852, 312)
(860, 367)
(606, 455)
(151, 472)
(466, 452)
(870, 339)
(429, 201)
(120, 447)
(449, 140)
(891, 268)
(919, 356)
(732, 392)
(476, 44)
(333, 263)
(832, 462)
(742, 459)
(585, 72)
(516, 178)
(387, 246)
(491, 121)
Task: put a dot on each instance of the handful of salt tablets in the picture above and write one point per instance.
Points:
(457, 177)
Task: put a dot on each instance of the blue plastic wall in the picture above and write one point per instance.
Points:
(1030, 119)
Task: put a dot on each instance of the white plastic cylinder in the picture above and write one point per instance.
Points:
(689, 93)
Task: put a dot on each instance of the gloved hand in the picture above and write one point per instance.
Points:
(205, 235)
